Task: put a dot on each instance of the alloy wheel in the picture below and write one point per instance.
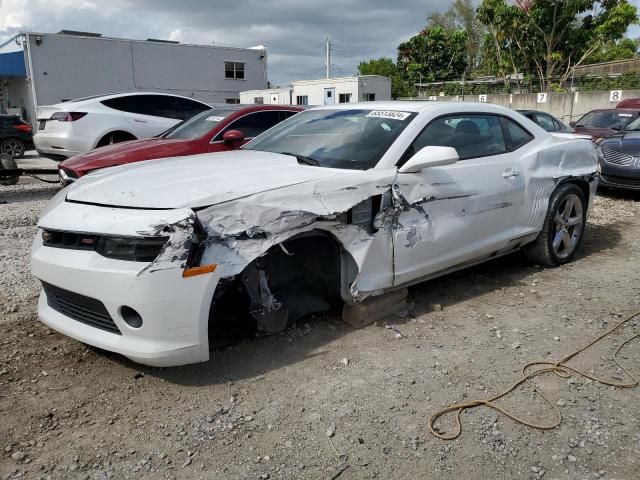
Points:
(568, 225)
(12, 147)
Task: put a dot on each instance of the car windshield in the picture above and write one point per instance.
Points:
(198, 125)
(351, 139)
(610, 119)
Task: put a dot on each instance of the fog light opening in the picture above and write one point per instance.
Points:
(130, 316)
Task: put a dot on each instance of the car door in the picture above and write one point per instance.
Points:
(455, 214)
(546, 122)
(251, 125)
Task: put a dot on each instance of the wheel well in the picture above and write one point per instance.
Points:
(307, 273)
(582, 184)
(119, 136)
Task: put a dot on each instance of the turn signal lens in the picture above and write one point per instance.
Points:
(192, 272)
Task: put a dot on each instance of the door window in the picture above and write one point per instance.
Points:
(547, 123)
(154, 105)
(516, 135)
(254, 124)
(185, 108)
(471, 135)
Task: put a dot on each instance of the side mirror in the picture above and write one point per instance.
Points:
(572, 123)
(430, 157)
(232, 137)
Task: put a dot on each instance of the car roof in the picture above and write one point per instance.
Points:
(636, 110)
(436, 107)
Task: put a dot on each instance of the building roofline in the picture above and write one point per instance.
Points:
(120, 39)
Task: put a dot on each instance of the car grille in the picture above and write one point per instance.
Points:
(86, 310)
(624, 182)
(617, 158)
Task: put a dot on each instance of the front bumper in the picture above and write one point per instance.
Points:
(624, 177)
(175, 310)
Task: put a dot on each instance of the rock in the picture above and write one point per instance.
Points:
(265, 476)
(344, 361)
(516, 345)
(571, 458)
(17, 456)
(535, 469)
(557, 339)
(331, 430)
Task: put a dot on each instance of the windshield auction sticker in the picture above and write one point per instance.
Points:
(214, 119)
(389, 114)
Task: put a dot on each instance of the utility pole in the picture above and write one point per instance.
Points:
(328, 59)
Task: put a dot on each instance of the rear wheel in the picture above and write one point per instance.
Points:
(7, 162)
(563, 228)
(13, 147)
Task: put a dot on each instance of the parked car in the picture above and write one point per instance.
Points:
(15, 136)
(80, 125)
(604, 122)
(547, 121)
(210, 131)
(619, 156)
(629, 103)
(328, 208)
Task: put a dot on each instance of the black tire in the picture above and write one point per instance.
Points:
(14, 147)
(6, 162)
(568, 228)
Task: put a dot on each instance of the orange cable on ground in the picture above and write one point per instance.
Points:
(559, 368)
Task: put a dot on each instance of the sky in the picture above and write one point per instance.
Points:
(294, 31)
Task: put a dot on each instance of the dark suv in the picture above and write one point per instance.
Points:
(15, 136)
(605, 122)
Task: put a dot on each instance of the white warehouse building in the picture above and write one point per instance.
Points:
(38, 69)
(326, 91)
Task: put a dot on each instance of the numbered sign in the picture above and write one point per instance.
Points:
(542, 97)
(615, 95)
(482, 98)
(274, 99)
(433, 98)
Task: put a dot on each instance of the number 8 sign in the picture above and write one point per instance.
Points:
(615, 95)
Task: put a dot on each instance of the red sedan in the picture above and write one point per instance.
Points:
(216, 130)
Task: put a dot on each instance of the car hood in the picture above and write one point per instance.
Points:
(195, 181)
(127, 152)
(596, 131)
(627, 142)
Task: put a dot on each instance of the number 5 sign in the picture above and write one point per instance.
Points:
(615, 95)
(542, 97)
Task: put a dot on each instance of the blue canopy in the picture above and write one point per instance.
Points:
(12, 64)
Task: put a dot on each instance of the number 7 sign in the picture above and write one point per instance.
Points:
(542, 97)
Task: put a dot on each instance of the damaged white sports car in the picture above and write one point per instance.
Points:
(335, 205)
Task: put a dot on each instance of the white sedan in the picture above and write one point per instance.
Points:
(80, 125)
(333, 207)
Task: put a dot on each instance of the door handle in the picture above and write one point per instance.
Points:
(139, 120)
(510, 173)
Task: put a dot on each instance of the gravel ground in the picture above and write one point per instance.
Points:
(325, 401)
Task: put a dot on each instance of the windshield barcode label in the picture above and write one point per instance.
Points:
(389, 114)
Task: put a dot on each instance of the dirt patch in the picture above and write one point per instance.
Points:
(325, 401)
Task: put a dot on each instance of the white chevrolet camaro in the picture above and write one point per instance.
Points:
(329, 208)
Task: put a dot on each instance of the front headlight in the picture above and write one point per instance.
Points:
(131, 249)
(599, 152)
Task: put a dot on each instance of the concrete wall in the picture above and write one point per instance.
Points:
(566, 106)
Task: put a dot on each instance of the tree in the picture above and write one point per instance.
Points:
(549, 38)
(385, 67)
(461, 15)
(434, 54)
(620, 50)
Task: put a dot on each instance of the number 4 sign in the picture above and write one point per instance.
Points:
(615, 95)
(542, 97)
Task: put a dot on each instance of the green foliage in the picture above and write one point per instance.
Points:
(461, 15)
(620, 50)
(434, 54)
(548, 38)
